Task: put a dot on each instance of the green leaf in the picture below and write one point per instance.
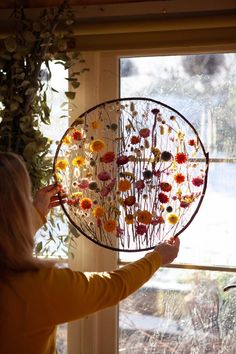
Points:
(70, 95)
(75, 84)
(39, 247)
(30, 150)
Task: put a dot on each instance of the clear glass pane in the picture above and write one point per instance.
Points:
(61, 340)
(180, 311)
(203, 89)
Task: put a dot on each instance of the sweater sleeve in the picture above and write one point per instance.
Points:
(71, 295)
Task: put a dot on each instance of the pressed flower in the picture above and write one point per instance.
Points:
(95, 124)
(141, 229)
(124, 185)
(77, 135)
(169, 209)
(122, 160)
(155, 111)
(99, 212)
(165, 186)
(166, 156)
(163, 198)
(129, 219)
(76, 195)
(83, 184)
(156, 151)
(191, 142)
(104, 176)
(129, 201)
(140, 185)
(158, 220)
(197, 181)
(181, 157)
(184, 204)
(172, 218)
(156, 173)
(78, 161)
(144, 217)
(179, 178)
(97, 145)
(108, 157)
(66, 140)
(86, 203)
(147, 174)
(110, 225)
(61, 164)
(93, 185)
(144, 133)
(134, 140)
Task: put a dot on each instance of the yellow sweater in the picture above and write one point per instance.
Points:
(33, 303)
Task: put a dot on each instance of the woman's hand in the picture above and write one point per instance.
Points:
(168, 250)
(47, 198)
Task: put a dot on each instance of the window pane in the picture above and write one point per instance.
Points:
(203, 89)
(180, 311)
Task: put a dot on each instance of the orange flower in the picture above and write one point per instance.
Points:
(135, 139)
(129, 219)
(129, 201)
(61, 164)
(78, 161)
(124, 185)
(86, 203)
(110, 225)
(144, 217)
(66, 140)
(95, 124)
(97, 145)
(98, 212)
(179, 178)
(181, 157)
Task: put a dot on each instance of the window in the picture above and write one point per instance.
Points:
(185, 310)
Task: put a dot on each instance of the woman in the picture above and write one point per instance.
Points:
(35, 296)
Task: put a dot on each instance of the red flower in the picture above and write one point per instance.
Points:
(139, 184)
(181, 157)
(129, 201)
(104, 176)
(86, 203)
(192, 142)
(197, 181)
(165, 187)
(141, 229)
(122, 160)
(108, 157)
(163, 198)
(158, 220)
(135, 140)
(144, 133)
(77, 135)
(184, 204)
(179, 178)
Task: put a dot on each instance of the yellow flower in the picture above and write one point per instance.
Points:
(78, 161)
(67, 140)
(110, 225)
(124, 185)
(144, 217)
(173, 218)
(95, 124)
(61, 164)
(129, 219)
(99, 212)
(76, 195)
(97, 145)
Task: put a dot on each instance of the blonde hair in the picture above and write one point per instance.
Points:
(16, 229)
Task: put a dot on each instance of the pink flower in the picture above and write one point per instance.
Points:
(84, 183)
(139, 184)
(141, 229)
(144, 133)
(104, 176)
(197, 181)
(122, 160)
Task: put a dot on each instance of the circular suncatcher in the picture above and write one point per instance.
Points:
(134, 170)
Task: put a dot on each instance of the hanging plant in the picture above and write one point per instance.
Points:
(23, 97)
